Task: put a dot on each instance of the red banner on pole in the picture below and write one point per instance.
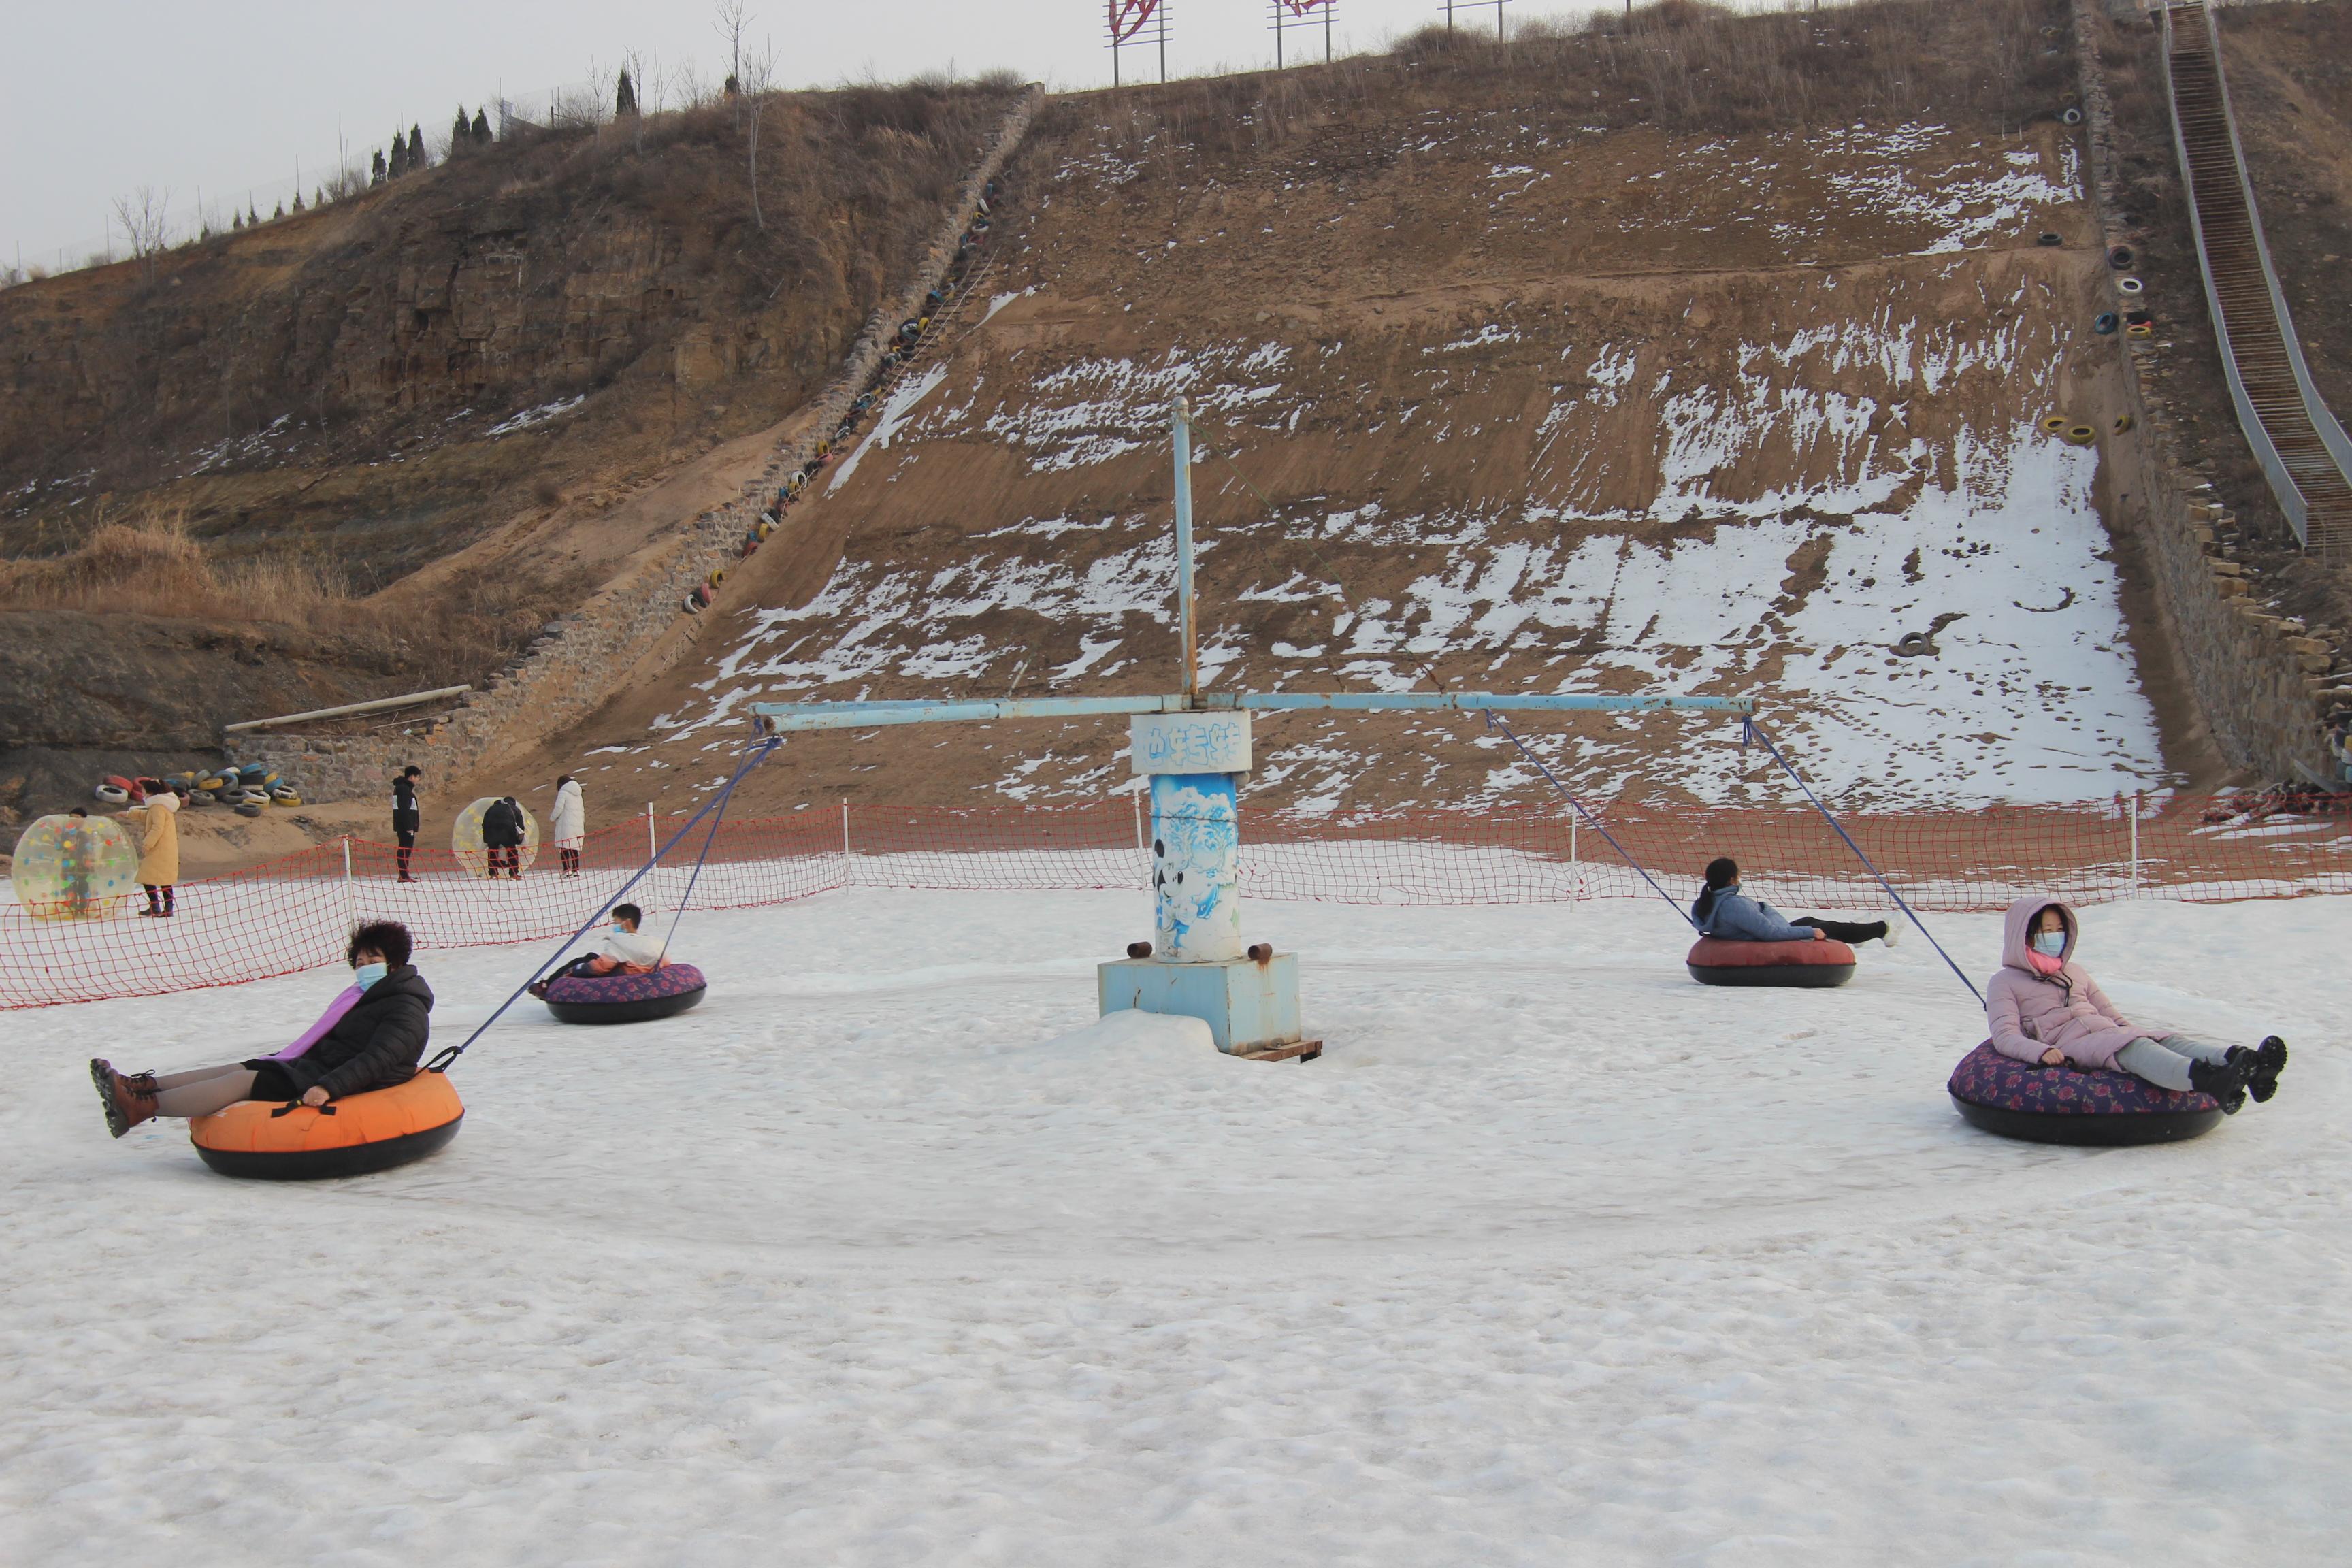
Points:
(1127, 17)
(1300, 7)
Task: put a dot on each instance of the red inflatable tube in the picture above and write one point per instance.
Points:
(1805, 964)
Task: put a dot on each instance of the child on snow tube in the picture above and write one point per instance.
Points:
(2044, 1007)
(372, 1040)
(1724, 913)
(623, 952)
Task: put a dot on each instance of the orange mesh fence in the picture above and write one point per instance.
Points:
(296, 913)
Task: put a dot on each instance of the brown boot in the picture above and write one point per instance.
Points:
(127, 1101)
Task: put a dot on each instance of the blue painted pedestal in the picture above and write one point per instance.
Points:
(1249, 1006)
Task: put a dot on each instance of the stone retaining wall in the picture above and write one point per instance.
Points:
(632, 630)
(2263, 680)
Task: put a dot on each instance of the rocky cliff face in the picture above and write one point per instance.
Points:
(523, 346)
(388, 376)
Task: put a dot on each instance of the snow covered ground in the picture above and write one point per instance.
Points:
(1554, 1258)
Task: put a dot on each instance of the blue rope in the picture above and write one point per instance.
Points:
(751, 760)
(1752, 730)
(1623, 853)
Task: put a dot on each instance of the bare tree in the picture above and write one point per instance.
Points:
(642, 74)
(759, 81)
(144, 217)
(732, 19)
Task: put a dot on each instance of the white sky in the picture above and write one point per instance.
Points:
(227, 98)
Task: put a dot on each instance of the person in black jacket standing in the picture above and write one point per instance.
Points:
(406, 818)
(502, 837)
(376, 1045)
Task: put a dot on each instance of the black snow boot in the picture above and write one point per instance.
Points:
(127, 1101)
(2261, 1067)
(2225, 1082)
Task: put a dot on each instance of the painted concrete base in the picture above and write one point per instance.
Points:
(1247, 1005)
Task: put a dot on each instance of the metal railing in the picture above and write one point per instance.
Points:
(2302, 449)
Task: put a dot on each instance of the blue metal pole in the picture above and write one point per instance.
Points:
(783, 717)
(1487, 702)
(1183, 420)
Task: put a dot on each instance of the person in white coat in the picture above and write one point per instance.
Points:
(570, 825)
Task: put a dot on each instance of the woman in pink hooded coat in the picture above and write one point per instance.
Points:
(2044, 1007)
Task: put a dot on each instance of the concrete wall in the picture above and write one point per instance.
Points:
(635, 628)
(2263, 682)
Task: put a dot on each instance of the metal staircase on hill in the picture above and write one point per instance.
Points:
(2303, 450)
(954, 321)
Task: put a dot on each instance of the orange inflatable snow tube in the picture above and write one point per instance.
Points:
(371, 1132)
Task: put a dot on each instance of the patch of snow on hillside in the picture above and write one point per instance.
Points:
(1492, 332)
(1889, 177)
(2043, 707)
(531, 419)
(1093, 410)
(895, 409)
(997, 302)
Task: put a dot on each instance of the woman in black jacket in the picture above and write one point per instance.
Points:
(376, 1045)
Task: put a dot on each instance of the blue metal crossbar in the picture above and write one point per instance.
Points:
(783, 717)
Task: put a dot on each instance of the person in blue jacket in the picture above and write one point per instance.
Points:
(1727, 914)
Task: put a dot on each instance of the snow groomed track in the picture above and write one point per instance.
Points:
(1554, 1257)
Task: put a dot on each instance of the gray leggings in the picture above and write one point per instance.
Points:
(203, 1090)
(2164, 1060)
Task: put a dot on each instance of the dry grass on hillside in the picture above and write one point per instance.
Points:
(1678, 65)
(148, 564)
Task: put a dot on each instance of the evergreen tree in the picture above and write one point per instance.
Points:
(417, 159)
(625, 101)
(377, 178)
(318, 196)
(279, 213)
(733, 88)
(397, 165)
(459, 133)
(236, 221)
(297, 201)
(481, 127)
(252, 216)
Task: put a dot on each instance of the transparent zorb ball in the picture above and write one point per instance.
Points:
(75, 869)
(466, 838)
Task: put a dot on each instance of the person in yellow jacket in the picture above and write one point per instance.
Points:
(155, 826)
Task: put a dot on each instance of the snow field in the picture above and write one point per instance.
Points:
(1554, 1258)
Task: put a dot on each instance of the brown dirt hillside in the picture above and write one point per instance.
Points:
(1700, 352)
(538, 353)
(2290, 75)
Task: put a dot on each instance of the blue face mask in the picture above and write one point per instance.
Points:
(2049, 943)
(367, 974)
(620, 930)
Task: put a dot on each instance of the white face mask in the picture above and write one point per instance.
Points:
(367, 974)
(2049, 943)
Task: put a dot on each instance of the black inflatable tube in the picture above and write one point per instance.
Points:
(2111, 1130)
(315, 1165)
(625, 1011)
(1798, 976)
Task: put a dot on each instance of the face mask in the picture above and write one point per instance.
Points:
(367, 974)
(2049, 943)
(620, 930)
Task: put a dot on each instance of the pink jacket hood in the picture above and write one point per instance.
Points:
(2019, 924)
